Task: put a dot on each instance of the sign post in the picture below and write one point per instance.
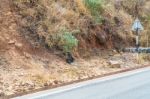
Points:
(137, 27)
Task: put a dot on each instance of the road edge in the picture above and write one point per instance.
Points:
(78, 81)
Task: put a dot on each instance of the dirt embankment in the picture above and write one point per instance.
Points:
(24, 67)
(17, 55)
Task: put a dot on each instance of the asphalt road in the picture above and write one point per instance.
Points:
(130, 85)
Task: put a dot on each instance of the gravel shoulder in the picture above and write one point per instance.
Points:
(19, 80)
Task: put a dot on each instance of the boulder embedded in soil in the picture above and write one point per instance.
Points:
(18, 45)
(114, 64)
(11, 42)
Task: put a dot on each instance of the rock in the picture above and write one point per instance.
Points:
(114, 64)
(27, 55)
(18, 45)
(11, 42)
(46, 84)
(10, 88)
(56, 82)
(75, 64)
(114, 51)
(111, 54)
(8, 13)
(2, 94)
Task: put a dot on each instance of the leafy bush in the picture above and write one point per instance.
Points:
(96, 9)
(65, 40)
(68, 41)
(94, 5)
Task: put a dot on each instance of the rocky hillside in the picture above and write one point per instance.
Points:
(95, 24)
(35, 35)
(80, 26)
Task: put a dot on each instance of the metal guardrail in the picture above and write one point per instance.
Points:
(139, 50)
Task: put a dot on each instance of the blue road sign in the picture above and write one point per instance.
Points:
(137, 25)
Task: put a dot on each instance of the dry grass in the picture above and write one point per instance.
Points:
(46, 18)
(143, 57)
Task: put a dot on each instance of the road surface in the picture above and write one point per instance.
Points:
(130, 85)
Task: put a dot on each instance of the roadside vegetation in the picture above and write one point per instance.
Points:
(96, 23)
(37, 36)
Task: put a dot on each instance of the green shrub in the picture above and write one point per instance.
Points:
(64, 40)
(68, 41)
(98, 19)
(95, 6)
(96, 9)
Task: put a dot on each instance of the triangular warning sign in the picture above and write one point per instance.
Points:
(137, 25)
